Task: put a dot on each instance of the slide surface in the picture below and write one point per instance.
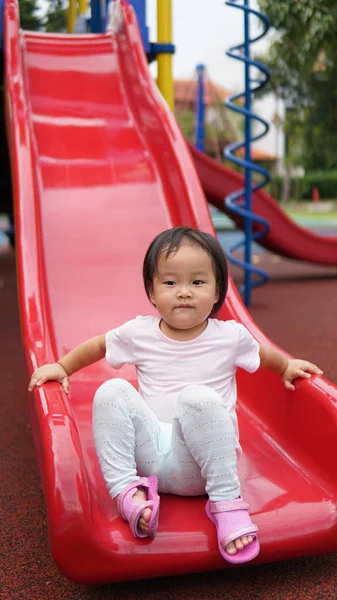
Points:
(285, 237)
(100, 167)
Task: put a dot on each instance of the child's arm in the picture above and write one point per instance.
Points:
(83, 355)
(288, 369)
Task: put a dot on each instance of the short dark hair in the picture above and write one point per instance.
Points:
(169, 241)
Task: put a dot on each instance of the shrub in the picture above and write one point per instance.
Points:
(301, 188)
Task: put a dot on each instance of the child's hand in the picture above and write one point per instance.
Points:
(298, 368)
(53, 372)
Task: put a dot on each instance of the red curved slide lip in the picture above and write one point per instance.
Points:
(100, 167)
(285, 237)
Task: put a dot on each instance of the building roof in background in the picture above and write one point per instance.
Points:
(185, 91)
(261, 155)
(258, 154)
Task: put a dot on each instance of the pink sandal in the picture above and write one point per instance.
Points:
(232, 521)
(132, 511)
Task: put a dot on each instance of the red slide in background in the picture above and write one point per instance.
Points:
(100, 167)
(285, 236)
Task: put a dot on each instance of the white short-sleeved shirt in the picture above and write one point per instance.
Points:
(165, 366)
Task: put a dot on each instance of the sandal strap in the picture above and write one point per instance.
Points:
(239, 532)
(232, 521)
(227, 505)
(134, 516)
(141, 482)
(131, 511)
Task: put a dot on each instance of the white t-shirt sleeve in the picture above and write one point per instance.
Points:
(247, 350)
(119, 346)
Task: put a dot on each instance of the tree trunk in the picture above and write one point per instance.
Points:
(286, 185)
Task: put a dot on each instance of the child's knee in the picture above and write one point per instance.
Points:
(112, 390)
(198, 398)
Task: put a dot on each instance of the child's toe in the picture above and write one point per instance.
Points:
(146, 515)
(238, 544)
(230, 548)
(245, 540)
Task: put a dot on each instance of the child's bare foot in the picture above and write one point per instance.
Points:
(238, 544)
(143, 524)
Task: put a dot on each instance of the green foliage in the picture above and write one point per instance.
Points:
(186, 121)
(55, 20)
(303, 64)
(217, 134)
(301, 188)
(305, 26)
(29, 18)
(56, 17)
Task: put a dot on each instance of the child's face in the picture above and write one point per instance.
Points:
(184, 288)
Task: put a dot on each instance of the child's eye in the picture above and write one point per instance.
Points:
(198, 282)
(169, 282)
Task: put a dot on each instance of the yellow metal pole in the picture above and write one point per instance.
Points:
(72, 15)
(83, 7)
(164, 36)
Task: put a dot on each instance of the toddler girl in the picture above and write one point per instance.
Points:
(178, 434)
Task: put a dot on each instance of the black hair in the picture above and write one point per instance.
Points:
(169, 241)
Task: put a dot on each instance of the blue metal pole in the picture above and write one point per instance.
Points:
(248, 171)
(200, 110)
(96, 16)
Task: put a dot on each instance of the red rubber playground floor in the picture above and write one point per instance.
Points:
(297, 310)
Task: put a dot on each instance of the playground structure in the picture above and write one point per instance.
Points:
(250, 207)
(240, 201)
(99, 168)
(285, 237)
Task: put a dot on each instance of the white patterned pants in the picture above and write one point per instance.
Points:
(194, 455)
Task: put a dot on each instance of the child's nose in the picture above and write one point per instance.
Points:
(184, 292)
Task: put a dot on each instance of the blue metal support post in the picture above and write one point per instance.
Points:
(96, 23)
(200, 110)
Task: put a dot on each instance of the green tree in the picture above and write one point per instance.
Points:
(305, 27)
(219, 132)
(29, 18)
(56, 17)
(302, 60)
(320, 131)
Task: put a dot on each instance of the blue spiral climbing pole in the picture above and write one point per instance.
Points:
(240, 202)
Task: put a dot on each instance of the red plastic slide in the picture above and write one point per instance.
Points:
(285, 236)
(100, 167)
